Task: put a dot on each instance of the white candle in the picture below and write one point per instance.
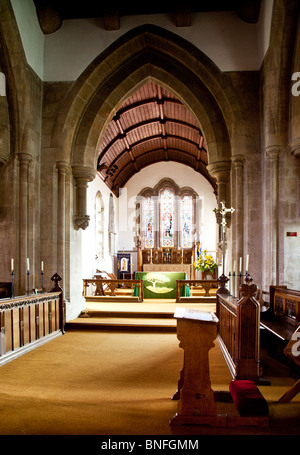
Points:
(240, 265)
(12, 264)
(42, 266)
(28, 268)
(247, 263)
(234, 267)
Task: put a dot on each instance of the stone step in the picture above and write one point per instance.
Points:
(147, 316)
(123, 323)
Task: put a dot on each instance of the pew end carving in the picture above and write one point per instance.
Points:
(238, 334)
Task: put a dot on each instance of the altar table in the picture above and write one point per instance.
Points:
(161, 285)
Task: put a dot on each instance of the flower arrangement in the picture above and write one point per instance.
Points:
(205, 263)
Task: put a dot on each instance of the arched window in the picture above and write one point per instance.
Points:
(148, 222)
(99, 226)
(186, 215)
(168, 216)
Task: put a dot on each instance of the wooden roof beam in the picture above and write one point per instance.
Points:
(111, 19)
(183, 16)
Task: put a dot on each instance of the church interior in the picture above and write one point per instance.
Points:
(149, 217)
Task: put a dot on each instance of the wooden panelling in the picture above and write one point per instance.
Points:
(24, 320)
(239, 333)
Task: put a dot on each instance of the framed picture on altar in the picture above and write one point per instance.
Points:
(123, 262)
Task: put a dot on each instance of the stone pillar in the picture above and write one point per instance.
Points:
(83, 175)
(272, 152)
(238, 216)
(221, 172)
(62, 167)
(24, 162)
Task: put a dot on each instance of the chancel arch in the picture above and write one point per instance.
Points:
(152, 53)
(147, 54)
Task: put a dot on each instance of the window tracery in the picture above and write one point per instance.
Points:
(167, 215)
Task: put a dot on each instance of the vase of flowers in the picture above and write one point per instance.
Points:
(206, 264)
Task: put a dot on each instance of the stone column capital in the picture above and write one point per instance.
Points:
(62, 166)
(294, 146)
(220, 170)
(82, 173)
(24, 158)
(238, 161)
(273, 152)
(3, 157)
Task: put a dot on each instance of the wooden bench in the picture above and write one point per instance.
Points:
(280, 320)
(283, 315)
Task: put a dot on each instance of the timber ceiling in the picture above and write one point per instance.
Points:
(51, 13)
(151, 126)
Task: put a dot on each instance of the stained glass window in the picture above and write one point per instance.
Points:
(148, 219)
(99, 226)
(167, 216)
(186, 222)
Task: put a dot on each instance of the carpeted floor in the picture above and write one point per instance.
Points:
(102, 383)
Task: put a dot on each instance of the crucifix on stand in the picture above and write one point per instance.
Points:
(223, 211)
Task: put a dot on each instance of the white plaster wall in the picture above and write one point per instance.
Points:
(149, 177)
(230, 43)
(89, 261)
(31, 34)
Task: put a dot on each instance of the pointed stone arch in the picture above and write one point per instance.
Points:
(148, 53)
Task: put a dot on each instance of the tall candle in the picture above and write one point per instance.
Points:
(12, 265)
(28, 267)
(42, 266)
(247, 263)
(234, 266)
(240, 265)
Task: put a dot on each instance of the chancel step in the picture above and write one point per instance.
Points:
(150, 316)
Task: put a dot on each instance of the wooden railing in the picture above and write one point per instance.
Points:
(28, 321)
(106, 288)
(207, 285)
(238, 332)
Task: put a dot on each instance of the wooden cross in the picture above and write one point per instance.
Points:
(222, 211)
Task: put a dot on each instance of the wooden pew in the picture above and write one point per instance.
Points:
(280, 320)
(238, 331)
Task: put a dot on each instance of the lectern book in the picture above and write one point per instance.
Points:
(190, 313)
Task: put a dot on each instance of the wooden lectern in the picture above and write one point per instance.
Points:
(196, 332)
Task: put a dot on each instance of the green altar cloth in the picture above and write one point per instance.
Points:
(161, 285)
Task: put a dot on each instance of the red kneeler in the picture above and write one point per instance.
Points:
(248, 399)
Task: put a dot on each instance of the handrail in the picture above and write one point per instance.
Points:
(205, 284)
(112, 285)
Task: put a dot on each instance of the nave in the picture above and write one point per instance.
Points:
(120, 382)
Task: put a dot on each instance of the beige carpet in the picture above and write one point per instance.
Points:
(101, 383)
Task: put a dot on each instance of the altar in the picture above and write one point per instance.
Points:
(185, 268)
(161, 284)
